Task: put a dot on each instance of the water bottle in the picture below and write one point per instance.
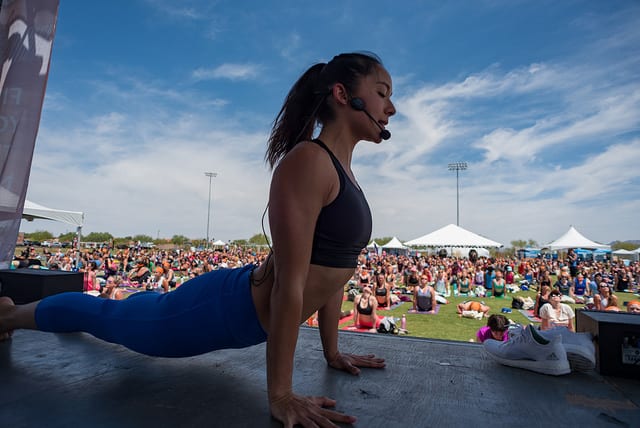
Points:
(403, 322)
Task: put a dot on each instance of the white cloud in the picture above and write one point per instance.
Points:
(228, 71)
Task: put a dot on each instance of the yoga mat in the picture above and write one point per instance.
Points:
(395, 305)
(528, 313)
(437, 309)
(351, 327)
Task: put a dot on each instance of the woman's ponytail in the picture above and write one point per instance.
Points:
(297, 117)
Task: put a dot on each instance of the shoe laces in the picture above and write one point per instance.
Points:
(517, 336)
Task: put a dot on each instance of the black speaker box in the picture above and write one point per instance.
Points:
(29, 285)
(617, 336)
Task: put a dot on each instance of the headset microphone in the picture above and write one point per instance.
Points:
(358, 105)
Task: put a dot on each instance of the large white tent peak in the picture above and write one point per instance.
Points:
(574, 239)
(453, 236)
(395, 244)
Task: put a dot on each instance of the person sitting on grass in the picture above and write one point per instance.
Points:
(110, 290)
(465, 284)
(472, 308)
(605, 300)
(496, 329)
(541, 298)
(364, 310)
(556, 314)
(498, 285)
(579, 290)
(382, 291)
(424, 296)
(634, 307)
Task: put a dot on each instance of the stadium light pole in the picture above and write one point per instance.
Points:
(457, 167)
(210, 175)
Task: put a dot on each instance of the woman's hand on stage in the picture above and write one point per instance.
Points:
(293, 410)
(350, 362)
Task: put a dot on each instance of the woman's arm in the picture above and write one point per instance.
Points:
(295, 201)
(415, 298)
(356, 314)
(328, 318)
(434, 302)
(388, 295)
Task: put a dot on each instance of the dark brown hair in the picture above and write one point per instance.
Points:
(306, 104)
(498, 323)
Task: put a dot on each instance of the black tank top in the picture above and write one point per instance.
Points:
(344, 226)
(366, 310)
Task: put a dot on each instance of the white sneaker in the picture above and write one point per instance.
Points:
(580, 349)
(522, 350)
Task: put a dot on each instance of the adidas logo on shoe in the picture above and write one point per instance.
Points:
(553, 357)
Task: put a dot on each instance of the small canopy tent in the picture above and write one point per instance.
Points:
(453, 236)
(574, 239)
(395, 246)
(34, 211)
(626, 254)
(219, 243)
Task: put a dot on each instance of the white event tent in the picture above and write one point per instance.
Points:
(574, 239)
(394, 244)
(34, 211)
(453, 236)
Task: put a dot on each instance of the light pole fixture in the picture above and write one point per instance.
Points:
(210, 175)
(457, 167)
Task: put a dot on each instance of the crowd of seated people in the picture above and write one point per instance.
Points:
(593, 283)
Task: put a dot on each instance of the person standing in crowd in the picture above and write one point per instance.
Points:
(320, 221)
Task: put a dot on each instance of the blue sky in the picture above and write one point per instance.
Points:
(540, 98)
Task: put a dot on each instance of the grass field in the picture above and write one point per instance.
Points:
(446, 324)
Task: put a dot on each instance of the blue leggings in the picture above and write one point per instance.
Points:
(209, 312)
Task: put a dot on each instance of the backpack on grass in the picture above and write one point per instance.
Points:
(388, 326)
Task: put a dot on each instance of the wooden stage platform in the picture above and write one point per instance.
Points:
(75, 380)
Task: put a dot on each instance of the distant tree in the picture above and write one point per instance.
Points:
(179, 239)
(121, 241)
(240, 242)
(142, 238)
(98, 237)
(39, 235)
(67, 237)
(383, 241)
(618, 245)
(519, 243)
(532, 243)
(258, 239)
